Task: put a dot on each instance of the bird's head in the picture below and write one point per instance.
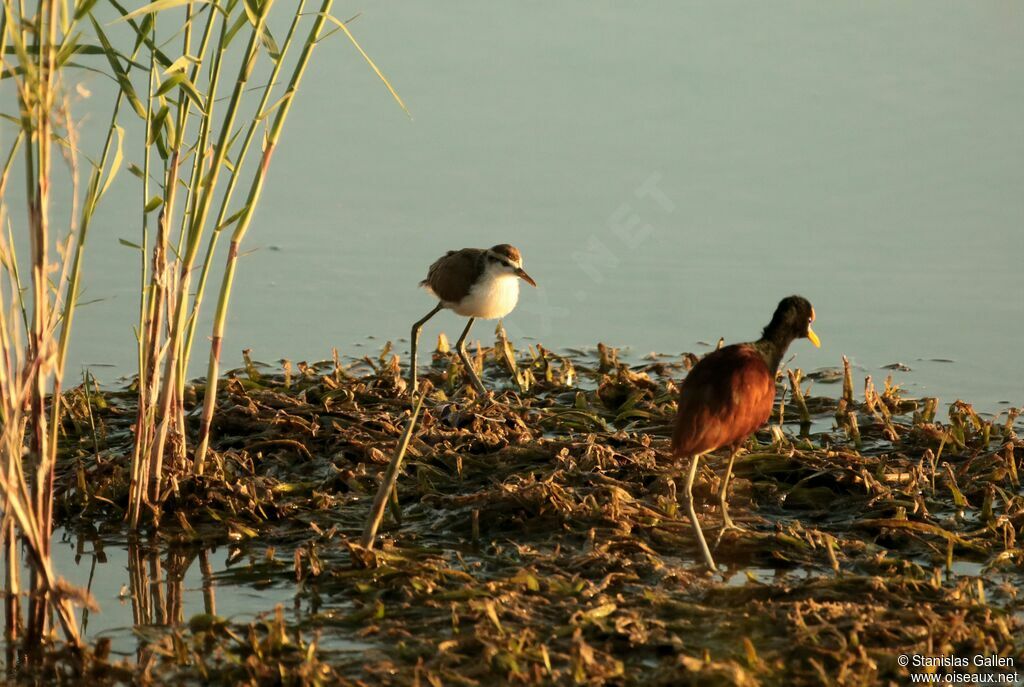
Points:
(506, 258)
(792, 320)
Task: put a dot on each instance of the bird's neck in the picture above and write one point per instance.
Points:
(772, 347)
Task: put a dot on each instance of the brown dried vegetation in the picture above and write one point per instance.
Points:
(536, 537)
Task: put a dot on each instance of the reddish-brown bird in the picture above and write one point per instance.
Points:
(729, 394)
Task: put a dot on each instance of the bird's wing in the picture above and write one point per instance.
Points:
(451, 273)
(723, 400)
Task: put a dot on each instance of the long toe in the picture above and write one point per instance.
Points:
(728, 526)
(727, 523)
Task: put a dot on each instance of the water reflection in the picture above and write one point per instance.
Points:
(148, 585)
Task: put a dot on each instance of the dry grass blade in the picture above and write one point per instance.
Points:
(387, 485)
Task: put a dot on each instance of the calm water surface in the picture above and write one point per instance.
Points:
(670, 171)
(143, 588)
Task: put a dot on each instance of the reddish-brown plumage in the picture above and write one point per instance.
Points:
(728, 395)
(723, 400)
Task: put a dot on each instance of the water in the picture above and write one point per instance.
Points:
(157, 586)
(868, 156)
(669, 170)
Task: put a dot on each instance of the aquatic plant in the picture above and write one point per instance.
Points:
(535, 536)
(36, 316)
(196, 153)
(197, 123)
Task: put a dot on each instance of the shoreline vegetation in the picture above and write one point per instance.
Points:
(535, 536)
(532, 536)
(203, 90)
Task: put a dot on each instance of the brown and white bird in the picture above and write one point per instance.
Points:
(472, 282)
(729, 394)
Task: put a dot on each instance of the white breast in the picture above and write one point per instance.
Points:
(493, 296)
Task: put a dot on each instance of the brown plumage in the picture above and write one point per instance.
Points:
(472, 282)
(724, 399)
(729, 394)
(452, 275)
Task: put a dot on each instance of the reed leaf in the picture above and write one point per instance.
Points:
(158, 6)
(376, 70)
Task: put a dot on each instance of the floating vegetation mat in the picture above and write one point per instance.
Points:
(536, 538)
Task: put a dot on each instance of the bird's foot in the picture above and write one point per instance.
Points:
(727, 525)
(479, 400)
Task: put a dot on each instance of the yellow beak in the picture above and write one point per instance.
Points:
(813, 337)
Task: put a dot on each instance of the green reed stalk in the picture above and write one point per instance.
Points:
(146, 303)
(162, 370)
(144, 246)
(246, 215)
(33, 355)
(177, 321)
(161, 395)
(194, 186)
(155, 352)
(221, 221)
(255, 189)
(38, 178)
(168, 313)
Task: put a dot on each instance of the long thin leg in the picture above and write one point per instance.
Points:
(460, 346)
(723, 502)
(724, 492)
(698, 532)
(415, 339)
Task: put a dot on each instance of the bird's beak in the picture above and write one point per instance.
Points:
(521, 273)
(813, 337)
